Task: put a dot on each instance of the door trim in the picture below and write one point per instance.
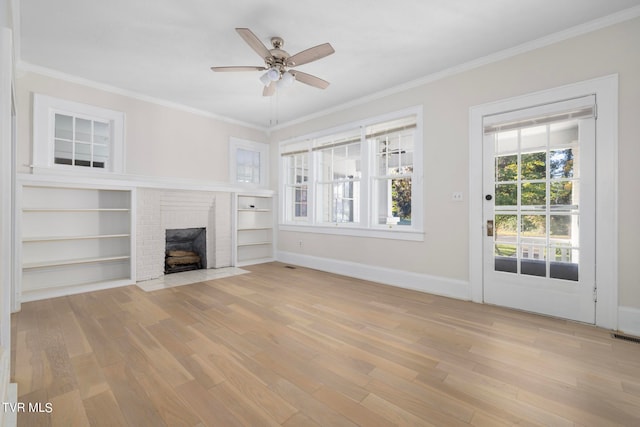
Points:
(606, 91)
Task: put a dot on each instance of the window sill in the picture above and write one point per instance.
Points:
(394, 233)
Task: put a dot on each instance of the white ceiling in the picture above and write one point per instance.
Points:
(163, 48)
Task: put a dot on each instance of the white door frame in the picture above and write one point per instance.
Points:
(606, 91)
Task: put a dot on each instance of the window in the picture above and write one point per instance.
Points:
(74, 136)
(81, 141)
(339, 160)
(248, 162)
(296, 186)
(393, 143)
(363, 176)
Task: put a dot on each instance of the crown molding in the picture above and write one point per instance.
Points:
(24, 66)
(567, 34)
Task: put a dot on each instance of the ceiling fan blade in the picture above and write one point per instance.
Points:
(238, 68)
(269, 90)
(254, 42)
(309, 79)
(309, 55)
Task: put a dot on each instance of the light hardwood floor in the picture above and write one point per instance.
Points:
(298, 347)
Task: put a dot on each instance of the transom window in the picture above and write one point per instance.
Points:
(81, 141)
(362, 176)
(76, 137)
(248, 162)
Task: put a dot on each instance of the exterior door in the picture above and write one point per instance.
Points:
(539, 210)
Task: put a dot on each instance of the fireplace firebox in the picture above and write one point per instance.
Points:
(186, 249)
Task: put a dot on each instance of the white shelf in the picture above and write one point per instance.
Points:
(75, 238)
(29, 266)
(254, 244)
(61, 238)
(75, 210)
(254, 229)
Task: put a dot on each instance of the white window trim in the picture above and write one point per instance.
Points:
(260, 147)
(44, 109)
(367, 227)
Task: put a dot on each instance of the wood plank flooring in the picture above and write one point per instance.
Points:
(298, 347)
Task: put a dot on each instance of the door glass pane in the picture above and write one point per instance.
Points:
(533, 137)
(563, 195)
(533, 194)
(506, 142)
(533, 260)
(507, 195)
(561, 163)
(533, 227)
(563, 134)
(506, 168)
(505, 247)
(534, 166)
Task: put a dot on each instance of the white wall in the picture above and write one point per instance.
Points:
(159, 141)
(446, 105)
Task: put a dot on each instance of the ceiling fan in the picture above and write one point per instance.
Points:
(278, 63)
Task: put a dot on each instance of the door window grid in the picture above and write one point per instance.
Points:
(541, 177)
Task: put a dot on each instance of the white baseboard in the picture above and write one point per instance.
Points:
(458, 289)
(629, 320)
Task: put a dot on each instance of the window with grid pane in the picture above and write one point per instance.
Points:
(296, 186)
(76, 137)
(364, 176)
(393, 144)
(81, 141)
(339, 160)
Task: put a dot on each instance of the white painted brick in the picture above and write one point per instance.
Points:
(159, 210)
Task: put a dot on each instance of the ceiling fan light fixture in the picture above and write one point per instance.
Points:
(265, 79)
(286, 80)
(273, 74)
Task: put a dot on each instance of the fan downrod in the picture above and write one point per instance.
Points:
(277, 42)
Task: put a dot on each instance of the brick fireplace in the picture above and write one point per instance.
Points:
(159, 210)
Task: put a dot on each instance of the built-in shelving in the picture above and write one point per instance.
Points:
(74, 239)
(254, 229)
